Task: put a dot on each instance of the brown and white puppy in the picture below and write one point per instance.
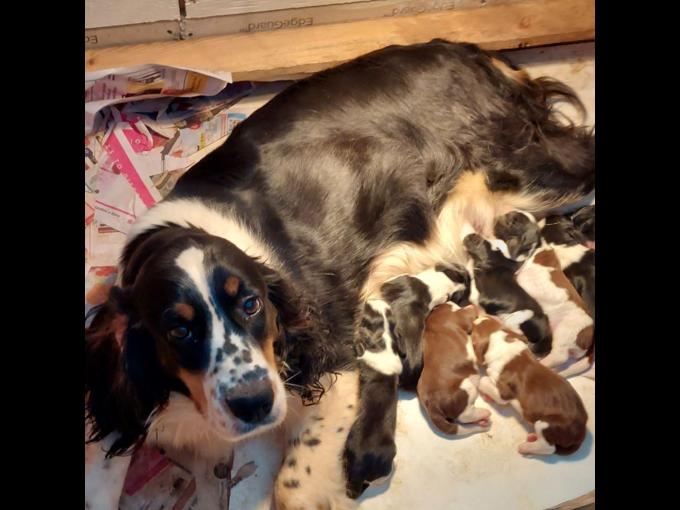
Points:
(542, 397)
(572, 327)
(447, 387)
(571, 246)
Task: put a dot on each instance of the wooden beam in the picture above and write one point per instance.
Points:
(284, 53)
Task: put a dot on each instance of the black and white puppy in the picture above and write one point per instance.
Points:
(584, 222)
(411, 299)
(576, 259)
(389, 345)
(496, 290)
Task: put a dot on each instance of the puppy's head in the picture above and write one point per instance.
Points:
(520, 233)
(465, 317)
(584, 222)
(194, 314)
(561, 230)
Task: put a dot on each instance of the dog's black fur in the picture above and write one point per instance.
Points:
(499, 292)
(370, 447)
(331, 172)
(409, 299)
(561, 231)
(520, 234)
(584, 222)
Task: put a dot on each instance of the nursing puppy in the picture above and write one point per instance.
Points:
(495, 289)
(542, 397)
(576, 259)
(447, 387)
(572, 327)
(542, 278)
(584, 222)
(387, 341)
(411, 298)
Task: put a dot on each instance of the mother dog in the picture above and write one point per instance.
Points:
(254, 270)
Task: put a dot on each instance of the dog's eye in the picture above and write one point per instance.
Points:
(179, 333)
(252, 305)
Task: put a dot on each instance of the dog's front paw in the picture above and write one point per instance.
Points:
(368, 462)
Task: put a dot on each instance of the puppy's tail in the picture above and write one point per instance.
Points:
(566, 436)
(444, 411)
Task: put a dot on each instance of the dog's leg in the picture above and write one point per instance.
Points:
(475, 419)
(577, 368)
(104, 477)
(536, 444)
(370, 448)
(556, 357)
(312, 475)
(488, 387)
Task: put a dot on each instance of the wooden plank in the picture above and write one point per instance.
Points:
(585, 502)
(282, 53)
(319, 15)
(132, 34)
(109, 13)
(206, 8)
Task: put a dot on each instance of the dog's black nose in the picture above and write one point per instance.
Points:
(251, 403)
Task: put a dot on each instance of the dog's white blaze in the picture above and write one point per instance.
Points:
(191, 262)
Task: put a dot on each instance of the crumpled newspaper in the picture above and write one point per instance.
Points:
(152, 124)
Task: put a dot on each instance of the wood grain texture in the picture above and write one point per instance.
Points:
(283, 53)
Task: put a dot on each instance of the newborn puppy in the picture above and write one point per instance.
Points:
(572, 327)
(542, 397)
(447, 387)
(495, 289)
(577, 261)
(520, 232)
(584, 222)
(411, 298)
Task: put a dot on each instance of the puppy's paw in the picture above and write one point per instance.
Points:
(367, 464)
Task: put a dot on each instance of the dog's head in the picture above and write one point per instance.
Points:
(193, 314)
(520, 233)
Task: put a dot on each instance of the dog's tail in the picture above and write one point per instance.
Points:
(566, 435)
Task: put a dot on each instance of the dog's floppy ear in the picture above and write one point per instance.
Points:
(302, 344)
(124, 381)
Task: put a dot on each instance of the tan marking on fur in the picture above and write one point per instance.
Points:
(272, 334)
(185, 311)
(231, 285)
(98, 294)
(194, 383)
(470, 201)
(519, 75)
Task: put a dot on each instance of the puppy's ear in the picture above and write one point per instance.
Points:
(124, 381)
(468, 316)
(457, 274)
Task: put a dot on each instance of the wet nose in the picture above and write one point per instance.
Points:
(251, 402)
